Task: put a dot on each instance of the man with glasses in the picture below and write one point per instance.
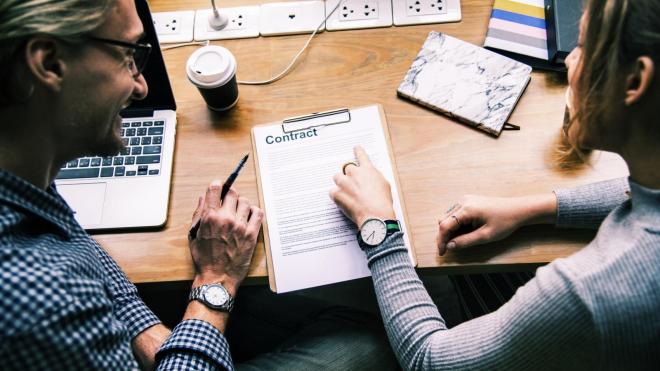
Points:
(68, 67)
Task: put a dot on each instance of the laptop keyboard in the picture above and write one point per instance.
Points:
(140, 157)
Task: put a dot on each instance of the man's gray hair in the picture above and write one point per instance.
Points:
(20, 20)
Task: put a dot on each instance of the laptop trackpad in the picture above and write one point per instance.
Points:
(86, 200)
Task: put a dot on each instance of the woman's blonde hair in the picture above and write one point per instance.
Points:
(69, 20)
(617, 33)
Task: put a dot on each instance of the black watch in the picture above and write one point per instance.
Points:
(374, 231)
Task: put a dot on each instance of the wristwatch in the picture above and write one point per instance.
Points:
(374, 231)
(214, 296)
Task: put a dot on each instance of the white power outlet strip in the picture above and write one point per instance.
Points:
(408, 12)
(243, 23)
(291, 17)
(174, 27)
(353, 14)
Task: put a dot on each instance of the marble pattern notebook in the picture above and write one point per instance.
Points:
(465, 81)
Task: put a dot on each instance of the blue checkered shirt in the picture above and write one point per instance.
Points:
(65, 304)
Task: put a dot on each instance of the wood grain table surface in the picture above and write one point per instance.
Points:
(438, 159)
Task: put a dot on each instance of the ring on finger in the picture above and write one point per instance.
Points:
(343, 168)
(458, 221)
(451, 208)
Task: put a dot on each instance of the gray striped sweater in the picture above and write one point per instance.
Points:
(596, 309)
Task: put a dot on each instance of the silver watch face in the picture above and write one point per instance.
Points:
(216, 295)
(373, 232)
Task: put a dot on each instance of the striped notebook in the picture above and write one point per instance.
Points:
(517, 29)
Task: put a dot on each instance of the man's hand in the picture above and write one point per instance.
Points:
(226, 238)
(363, 192)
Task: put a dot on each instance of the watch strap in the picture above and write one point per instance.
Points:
(195, 293)
(392, 226)
(229, 305)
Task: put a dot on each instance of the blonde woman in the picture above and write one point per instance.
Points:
(67, 68)
(597, 309)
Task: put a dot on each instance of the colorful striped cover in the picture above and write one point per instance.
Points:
(518, 26)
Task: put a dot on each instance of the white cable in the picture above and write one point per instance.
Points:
(286, 70)
(205, 43)
(217, 21)
(281, 74)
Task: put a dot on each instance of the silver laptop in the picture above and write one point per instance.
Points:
(130, 190)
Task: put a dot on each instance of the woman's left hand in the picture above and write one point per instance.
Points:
(362, 192)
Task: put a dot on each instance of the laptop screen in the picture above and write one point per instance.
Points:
(160, 91)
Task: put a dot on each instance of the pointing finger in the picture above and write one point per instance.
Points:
(212, 198)
(362, 157)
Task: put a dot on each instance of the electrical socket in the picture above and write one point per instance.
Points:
(174, 27)
(408, 12)
(353, 14)
(291, 17)
(425, 7)
(243, 23)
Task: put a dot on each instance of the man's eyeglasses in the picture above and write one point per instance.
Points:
(139, 53)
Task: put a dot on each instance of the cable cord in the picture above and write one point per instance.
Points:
(204, 43)
(281, 74)
(295, 59)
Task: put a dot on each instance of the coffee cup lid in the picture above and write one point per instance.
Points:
(211, 66)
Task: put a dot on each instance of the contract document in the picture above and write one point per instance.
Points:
(309, 242)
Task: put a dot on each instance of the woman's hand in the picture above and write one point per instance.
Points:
(363, 192)
(476, 220)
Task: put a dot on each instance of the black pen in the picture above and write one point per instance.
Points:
(225, 188)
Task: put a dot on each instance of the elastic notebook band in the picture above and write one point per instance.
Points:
(510, 126)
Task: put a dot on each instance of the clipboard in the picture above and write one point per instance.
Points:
(317, 120)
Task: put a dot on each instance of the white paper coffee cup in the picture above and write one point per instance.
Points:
(212, 69)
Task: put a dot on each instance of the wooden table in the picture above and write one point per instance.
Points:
(438, 159)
